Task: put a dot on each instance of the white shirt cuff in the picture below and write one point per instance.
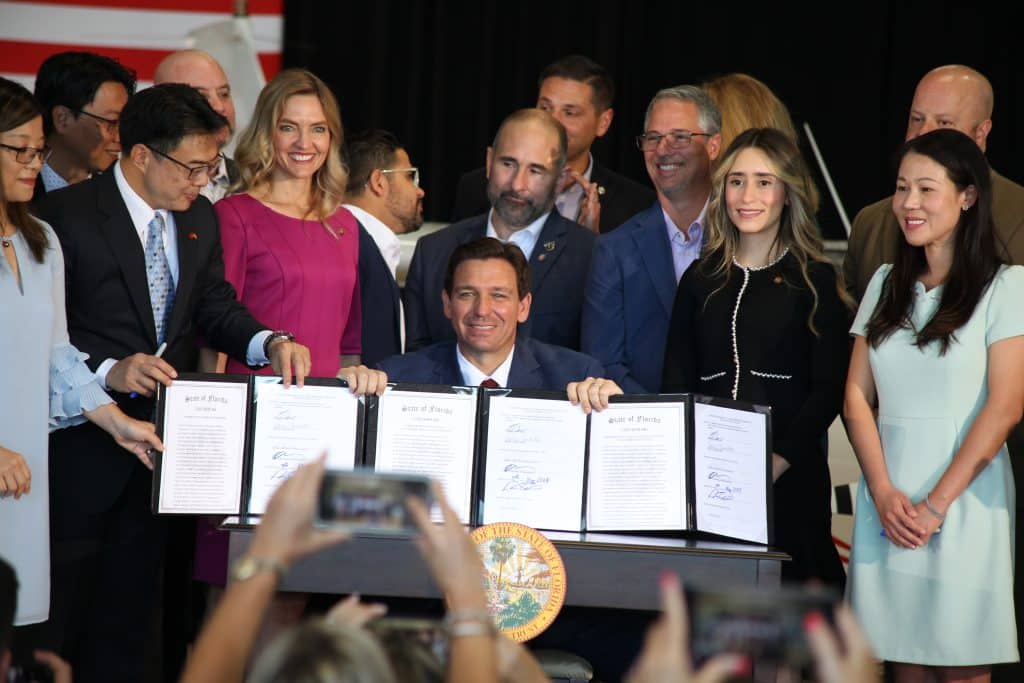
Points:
(102, 370)
(254, 355)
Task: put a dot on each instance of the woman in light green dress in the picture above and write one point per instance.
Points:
(939, 342)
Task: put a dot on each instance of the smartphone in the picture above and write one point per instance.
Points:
(764, 624)
(29, 672)
(362, 500)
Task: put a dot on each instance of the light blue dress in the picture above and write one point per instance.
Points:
(951, 602)
(44, 384)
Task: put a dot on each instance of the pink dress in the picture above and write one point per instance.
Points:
(292, 275)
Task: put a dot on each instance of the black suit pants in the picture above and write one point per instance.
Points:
(105, 567)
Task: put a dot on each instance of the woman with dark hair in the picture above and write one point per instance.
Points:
(939, 355)
(47, 383)
(762, 317)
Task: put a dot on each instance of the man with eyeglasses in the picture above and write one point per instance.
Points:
(201, 71)
(82, 95)
(385, 196)
(144, 274)
(523, 167)
(579, 93)
(636, 268)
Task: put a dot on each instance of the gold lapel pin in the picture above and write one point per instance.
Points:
(549, 246)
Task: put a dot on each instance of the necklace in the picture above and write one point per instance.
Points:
(765, 266)
(6, 240)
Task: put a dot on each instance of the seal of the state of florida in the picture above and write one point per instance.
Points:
(524, 578)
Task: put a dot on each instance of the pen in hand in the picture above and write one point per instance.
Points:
(159, 352)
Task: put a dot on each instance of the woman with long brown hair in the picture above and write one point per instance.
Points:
(762, 317)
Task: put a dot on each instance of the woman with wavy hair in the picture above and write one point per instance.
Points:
(762, 317)
(291, 250)
(936, 383)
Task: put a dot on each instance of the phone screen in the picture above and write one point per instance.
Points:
(766, 625)
(367, 501)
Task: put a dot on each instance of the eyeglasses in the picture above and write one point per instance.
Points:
(210, 170)
(414, 171)
(110, 124)
(26, 155)
(676, 139)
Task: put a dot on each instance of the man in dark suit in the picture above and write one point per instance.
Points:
(633, 277)
(524, 164)
(385, 196)
(579, 93)
(201, 71)
(82, 95)
(144, 271)
(486, 296)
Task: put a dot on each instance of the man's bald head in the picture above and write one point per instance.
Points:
(537, 119)
(201, 71)
(952, 96)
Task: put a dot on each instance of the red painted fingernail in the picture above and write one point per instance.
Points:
(666, 578)
(813, 620)
(743, 666)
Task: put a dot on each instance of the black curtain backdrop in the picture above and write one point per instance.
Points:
(442, 74)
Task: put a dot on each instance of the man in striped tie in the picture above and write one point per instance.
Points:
(144, 271)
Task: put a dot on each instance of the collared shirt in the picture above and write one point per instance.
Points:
(390, 248)
(568, 202)
(141, 214)
(524, 238)
(216, 188)
(51, 179)
(685, 251)
(472, 376)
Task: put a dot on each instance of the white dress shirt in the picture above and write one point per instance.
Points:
(524, 238)
(390, 248)
(141, 214)
(472, 376)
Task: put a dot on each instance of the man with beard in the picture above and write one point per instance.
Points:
(523, 167)
(385, 196)
(632, 282)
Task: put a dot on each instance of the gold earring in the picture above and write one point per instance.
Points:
(966, 206)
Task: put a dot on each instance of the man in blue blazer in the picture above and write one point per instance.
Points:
(486, 296)
(524, 165)
(636, 268)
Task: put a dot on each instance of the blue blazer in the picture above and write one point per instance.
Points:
(380, 301)
(535, 365)
(558, 270)
(628, 301)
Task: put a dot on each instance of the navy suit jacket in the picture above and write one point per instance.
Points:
(380, 302)
(621, 199)
(535, 365)
(628, 301)
(558, 270)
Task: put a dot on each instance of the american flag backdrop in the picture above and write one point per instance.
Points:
(139, 33)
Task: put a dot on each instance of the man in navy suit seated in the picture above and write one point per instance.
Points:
(486, 296)
(636, 268)
(523, 168)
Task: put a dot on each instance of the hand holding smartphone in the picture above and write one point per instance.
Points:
(764, 624)
(364, 501)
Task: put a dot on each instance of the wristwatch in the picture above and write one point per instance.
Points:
(248, 567)
(276, 335)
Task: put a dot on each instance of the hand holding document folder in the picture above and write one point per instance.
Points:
(674, 462)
